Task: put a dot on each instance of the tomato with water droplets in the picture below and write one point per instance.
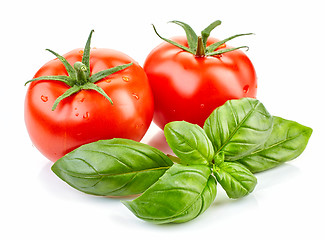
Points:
(87, 115)
(189, 84)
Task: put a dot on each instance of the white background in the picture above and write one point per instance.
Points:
(288, 51)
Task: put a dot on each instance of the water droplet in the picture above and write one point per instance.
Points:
(135, 95)
(82, 100)
(86, 115)
(126, 79)
(44, 98)
(246, 89)
(77, 114)
(202, 105)
(108, 80)
(138, 125)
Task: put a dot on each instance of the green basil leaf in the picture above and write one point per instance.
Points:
(287, 141)
(235, 179)
(189, 142)
(238, 127)
(180, 195)
(116, 167)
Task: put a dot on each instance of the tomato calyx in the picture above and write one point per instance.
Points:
(197, 45)
(79, 77)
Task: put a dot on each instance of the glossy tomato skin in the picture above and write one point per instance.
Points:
(186, 87)
(88, 116)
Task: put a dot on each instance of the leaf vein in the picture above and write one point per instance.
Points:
(238, 126)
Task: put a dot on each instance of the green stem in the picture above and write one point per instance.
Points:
(200, 51)
(79, 75)
(81, 70)
(198, 45)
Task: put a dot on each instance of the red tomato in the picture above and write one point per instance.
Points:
(187, 87)
(86, 115)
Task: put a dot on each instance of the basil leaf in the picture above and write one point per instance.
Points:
(180, 195)
(235, 179)
(189, 142)
(238, 127)
(287, 141)
(116, 167)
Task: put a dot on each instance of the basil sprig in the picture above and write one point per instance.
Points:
(238, 139)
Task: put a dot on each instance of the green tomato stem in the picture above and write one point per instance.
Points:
(198, 45)
(81, 70)
(79, 75)
(200, 50)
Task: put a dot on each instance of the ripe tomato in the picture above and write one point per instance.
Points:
(87, 115)
(189, 87)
